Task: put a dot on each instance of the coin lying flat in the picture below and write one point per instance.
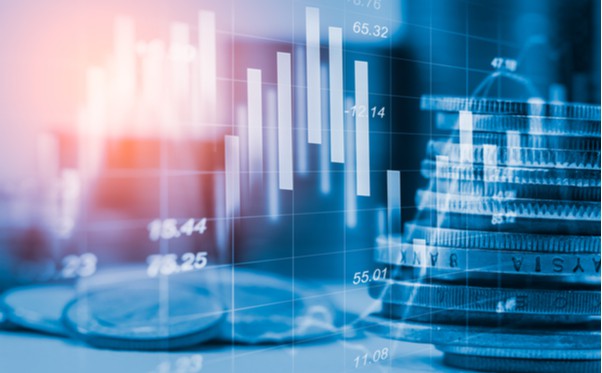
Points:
(145, 315)
(514, 174)
(529, 242)
(508, 107)
(435, 315)
(502, 364)
(38, 307)
(515, 353)
(517, 156)
(420, 255)
(532, 125)
(493, 337)
(523, 191)
(534, 141)
(488, 299)
(263, 307)
(518, 208)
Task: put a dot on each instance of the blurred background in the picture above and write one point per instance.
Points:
(126, 124)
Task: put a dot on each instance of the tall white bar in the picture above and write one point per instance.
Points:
(335, 62)
(312, 43)
(465, 125)
(285, 122)
(272, 150)
(232, 156)
(207, 57)
(179, 54)
(350, 182)
(325, 147)
(255, 125)
(489, 162)
(441, 171)
(124, 82)
(362, 130)
(300, 112)
(393, 204)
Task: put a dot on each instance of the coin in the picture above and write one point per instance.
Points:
(37, 307)
(145, 315)
(469, 238)
(516, 175)
(510, 207)
(515, 353)
(263, 307)
(533, 141)
(523, 191)
(488, 299)
(532, 125)
(493, 364)
(518, 156)
(420, 255)
(435, 315)
(493, 337)
(507, 107)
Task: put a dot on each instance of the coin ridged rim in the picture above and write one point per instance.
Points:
(509, 107)
(420, 255)
(517, 175)
(523, 191)
(518, 156)
(532, 125)
(515, 207)
(534, 141)
(500, 364)
(545, 243)
(481, 336)
(520, 353)
(488, 299)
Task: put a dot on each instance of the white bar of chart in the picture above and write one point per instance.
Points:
(465, 125)
(393, 203)
(362, 130)
(325, 146)
(272, 149)
(335, 62)
(232, 156)
(300, 111)
(255, 124)
(314, 110)
(490, 162)
(512, 148)
(350, 181)
(207, 57)
(285, 122)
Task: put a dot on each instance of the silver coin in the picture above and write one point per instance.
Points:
(145, 315)
(516, 353)
(532, 125)
(520, 157)
(493, 337)
(529, 140)
(495, 364)
(479, 318)
(530, 242)
(488, 299)
(514, 174)
(508, 207)
(38, 307)
(499, 261)
(263, 307)
(507, 107)
(502, 190)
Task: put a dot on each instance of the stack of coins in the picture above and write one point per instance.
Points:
(500, 270)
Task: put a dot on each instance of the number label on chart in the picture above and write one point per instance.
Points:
(371, 358)
(78, 266)
(168, 264)
(369, 4)
(361, 111)
(169, 228)
(366, 277)
(367, 29)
